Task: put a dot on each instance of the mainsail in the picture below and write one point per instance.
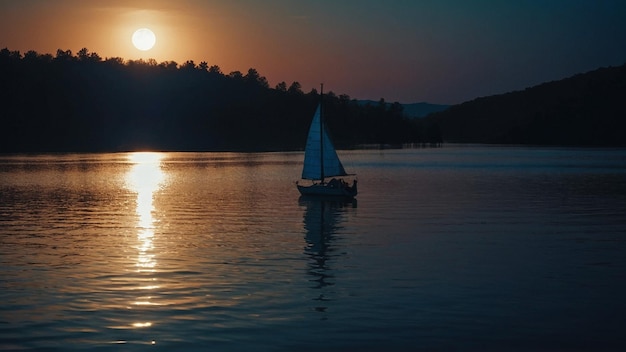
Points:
(320, 156)
(321, 161)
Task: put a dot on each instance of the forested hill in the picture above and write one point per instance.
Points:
(584, 110)
(82, 102)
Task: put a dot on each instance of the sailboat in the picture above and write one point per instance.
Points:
(321, 162)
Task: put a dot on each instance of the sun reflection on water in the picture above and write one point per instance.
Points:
(145, 178)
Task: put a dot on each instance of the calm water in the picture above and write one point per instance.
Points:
(455, 248)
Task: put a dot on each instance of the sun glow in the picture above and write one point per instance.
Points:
(145, 157)
(143, 39)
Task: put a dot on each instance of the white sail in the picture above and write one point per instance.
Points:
(318, 146)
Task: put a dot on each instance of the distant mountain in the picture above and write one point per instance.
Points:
(587, 109)
(414, 110)
(422, 109)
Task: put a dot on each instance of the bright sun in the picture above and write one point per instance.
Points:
(143, 39)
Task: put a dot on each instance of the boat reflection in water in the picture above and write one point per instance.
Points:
(145, 178)
(322, 223)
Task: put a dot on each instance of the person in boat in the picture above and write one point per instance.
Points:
(341, 183)
(334, 183)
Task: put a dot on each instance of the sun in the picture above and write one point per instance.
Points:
(143, 39)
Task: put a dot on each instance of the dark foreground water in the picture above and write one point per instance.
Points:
(456, 248)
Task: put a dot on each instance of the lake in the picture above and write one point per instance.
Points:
(463, 247)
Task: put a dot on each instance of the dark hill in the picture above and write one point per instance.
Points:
(587, 109)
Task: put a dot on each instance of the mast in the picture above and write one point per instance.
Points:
(322, 132)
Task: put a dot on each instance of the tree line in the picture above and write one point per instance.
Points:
(83, 102)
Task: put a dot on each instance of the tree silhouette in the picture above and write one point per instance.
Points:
(295, 88)
(215, 69)
(281, 87)
(86, 103)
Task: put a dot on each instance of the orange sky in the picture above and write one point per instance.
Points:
(444, 51)
(106, 27)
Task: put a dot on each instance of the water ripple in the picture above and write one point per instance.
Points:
(197, 251)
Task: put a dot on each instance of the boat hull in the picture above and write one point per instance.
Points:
(327, 190)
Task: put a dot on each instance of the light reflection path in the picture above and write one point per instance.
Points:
(145, 178)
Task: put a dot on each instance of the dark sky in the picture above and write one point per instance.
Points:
(409, 51)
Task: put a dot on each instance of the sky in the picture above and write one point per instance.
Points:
(436, 51)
